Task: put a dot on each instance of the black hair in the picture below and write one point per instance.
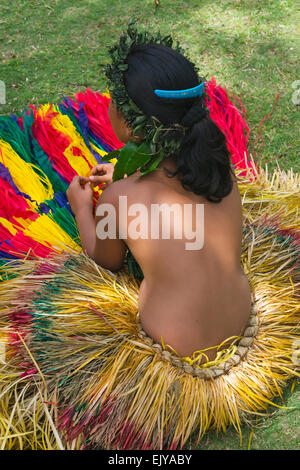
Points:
(203, 161)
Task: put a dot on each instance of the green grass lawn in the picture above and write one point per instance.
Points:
(280, 430)
(53, 48)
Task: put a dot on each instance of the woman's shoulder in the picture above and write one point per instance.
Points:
(134, 187)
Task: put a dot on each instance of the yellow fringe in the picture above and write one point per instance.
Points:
(25, 178)
(8, 225)
(47, 232)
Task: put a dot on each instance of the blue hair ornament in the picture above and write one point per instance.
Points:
(181, 94)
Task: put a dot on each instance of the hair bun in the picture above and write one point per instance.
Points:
(194, 115)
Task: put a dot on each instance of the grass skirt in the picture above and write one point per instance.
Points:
(76, 369)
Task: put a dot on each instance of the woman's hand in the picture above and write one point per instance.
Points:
(102, 173)
(80, 194)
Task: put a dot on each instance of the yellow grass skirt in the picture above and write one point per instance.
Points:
(78, 372)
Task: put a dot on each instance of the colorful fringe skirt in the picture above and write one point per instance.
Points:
(77, 371)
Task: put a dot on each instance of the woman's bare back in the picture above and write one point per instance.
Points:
(190, 299)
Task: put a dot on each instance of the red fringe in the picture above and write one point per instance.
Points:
(231, 121)
(22, 245)
(53, 143)
(12, 204)
(96, 110)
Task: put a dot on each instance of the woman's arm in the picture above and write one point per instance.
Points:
(86, 227)
(108, 251)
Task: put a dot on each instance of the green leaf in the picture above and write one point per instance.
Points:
(140, 120)
(153, 165)
(111, 155)
(131, 157)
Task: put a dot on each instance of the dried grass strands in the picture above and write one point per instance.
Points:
(81, 353)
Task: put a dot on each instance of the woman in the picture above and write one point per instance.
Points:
(85, 361)
(189, 299)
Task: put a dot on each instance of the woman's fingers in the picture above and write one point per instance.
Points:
(88, 187)
(102, 173)
(103, 168)
(87, 183)
(75, 181)
(100, 169)
(79, 181)
(100, 179)
(83, 180)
